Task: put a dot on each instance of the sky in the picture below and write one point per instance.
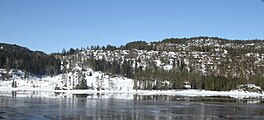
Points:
(51, 25)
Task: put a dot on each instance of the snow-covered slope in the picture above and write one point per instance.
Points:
(95, 81)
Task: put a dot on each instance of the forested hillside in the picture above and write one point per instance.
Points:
(202, 62)
(33, 62)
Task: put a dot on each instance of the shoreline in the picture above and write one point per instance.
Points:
(182, 92)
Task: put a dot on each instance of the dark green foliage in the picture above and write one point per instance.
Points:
(202, 48)
(14, 84)
(139, 45)
(136, 45)
(175, 40)
(185, 40)
(110, 47)
(82, 82)
(220, 83)
(35, 62)
(114, 68)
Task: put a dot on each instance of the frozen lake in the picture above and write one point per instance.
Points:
(27, 105)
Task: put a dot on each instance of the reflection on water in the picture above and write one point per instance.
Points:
(225, 99)
(14, 93)
(130, 96)
(135, 107)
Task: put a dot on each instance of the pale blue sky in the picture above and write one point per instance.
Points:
(51, 25)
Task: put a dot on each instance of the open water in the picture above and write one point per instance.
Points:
(128, 107)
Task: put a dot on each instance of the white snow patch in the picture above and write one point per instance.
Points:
(167, 67)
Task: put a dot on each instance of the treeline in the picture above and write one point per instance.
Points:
(154, 78)
(35, 62)
(161, 45)
(139, 45)
(116, 67)
(158, 79)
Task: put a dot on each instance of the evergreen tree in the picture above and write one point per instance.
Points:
(82, 82)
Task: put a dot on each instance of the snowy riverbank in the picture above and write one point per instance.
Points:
(107, 84)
